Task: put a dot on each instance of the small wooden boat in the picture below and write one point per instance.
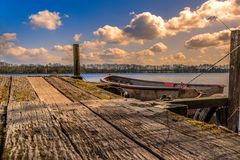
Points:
(151, 90)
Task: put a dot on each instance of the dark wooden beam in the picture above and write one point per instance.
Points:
(234, 83)
(178, 108)
(205, 102)
(76, 60)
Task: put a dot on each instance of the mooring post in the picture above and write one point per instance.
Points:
(76, 61)
(233, 116)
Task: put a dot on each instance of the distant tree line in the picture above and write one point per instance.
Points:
(114, 68)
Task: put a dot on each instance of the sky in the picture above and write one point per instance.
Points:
(147, 32)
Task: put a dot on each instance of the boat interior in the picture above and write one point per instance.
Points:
(130, 81)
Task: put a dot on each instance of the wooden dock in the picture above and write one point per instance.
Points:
(67, 118)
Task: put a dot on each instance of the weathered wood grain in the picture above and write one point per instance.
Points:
(159, 137)
(233, 116)
(46, 92)
(93, 137)
(22, 90)
(221, 140)
(93, 128)
(4, 96)
(4, 89)
(196, 103)
(32, 133)
(91, 88)
(69, 90)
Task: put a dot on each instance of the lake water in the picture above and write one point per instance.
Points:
(208, 78)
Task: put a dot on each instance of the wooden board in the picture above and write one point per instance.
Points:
(22, 90)
(38, 130)
(46, 92)
(92, 128)
(32, 133)
(4, 97)
(93, 137)
(69, 90)
(216, 137)
(161, 139)
(196, 103)
(4, 90)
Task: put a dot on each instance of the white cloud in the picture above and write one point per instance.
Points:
(63, 48)
(86, 45)
(206, 40)
(77, 37)
(158, 47)
(178, 58)
(146, 26)
(111, 55)
(111, 34)
(18, 54)
(8, 36)
(46, 19)
(21, 54)
(93, 45)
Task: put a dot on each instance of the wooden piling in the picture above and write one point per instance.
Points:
(234, 83)
(76, 61)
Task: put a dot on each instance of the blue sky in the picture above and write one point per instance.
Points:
(86, 16)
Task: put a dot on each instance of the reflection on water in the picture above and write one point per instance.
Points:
(208, 78)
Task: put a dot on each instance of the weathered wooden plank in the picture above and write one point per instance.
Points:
(219, 138)
(93, 137)
(32, 133)
(46, 92)
(91, 88)
(160, 138)
(69, 90)
(233, 116)
(21, 90)
(205, 102)
(4, 90)
(4, 96)
(39, 131)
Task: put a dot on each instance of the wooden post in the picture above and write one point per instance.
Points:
(234, 84)
(76, 61)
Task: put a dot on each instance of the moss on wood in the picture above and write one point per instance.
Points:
(22, 90)
(4, 89)
(201, 125)
(91, 87)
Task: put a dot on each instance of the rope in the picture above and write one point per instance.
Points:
(212, 66)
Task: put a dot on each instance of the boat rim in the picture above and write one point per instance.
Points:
(103, 79)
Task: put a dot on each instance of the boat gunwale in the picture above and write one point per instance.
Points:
(104, 79)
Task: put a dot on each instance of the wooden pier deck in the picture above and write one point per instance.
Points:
(66, 118)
